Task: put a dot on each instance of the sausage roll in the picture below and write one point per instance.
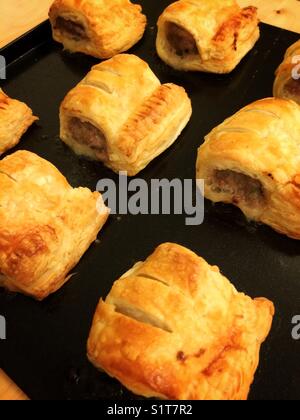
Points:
(287, 82)
(101, 28)
(15, 119)
(45, 225)
(208, 35)
(121, 115)
(174, 328)
(252, 160)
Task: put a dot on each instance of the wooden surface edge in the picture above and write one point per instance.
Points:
(283, 14)
(20, 16)
(9, 390)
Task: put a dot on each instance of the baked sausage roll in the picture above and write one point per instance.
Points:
(206, 35)
(15, 119)
(252, 160)
(105, 119)
(287, 82)
(101, 28)
(174, 328)
(45, 225)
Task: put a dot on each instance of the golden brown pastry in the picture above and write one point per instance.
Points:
(252, 160)
(287, 82)
(206, 35)
(101, 28)
(15, 119)
(45, 225)
(121, 115)
(174, 328)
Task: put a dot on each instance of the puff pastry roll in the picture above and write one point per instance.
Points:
(206, 35)
(287, 82)
(121, 115)
(15, 119)
(252, 160)
(45, 225)
(101, 28)
(174, 328)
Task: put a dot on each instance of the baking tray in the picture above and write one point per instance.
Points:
(45, 351)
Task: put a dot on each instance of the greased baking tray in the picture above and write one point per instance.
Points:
(45, 350)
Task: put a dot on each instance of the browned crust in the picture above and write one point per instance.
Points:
(45, 225)
(137, 128)
(224, 34)
(232, 26)
(212, 348)
(151, 113)
(15, 119)
(112, 26)
(259, 141)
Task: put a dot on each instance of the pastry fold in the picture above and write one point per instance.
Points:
(121, 114)
(206, 35)
(45, 225)
(15, 119)
(287, 81)
(174, 328)
(252, 160)
(101, 28)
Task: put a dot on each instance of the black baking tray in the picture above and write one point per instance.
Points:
(45, 350)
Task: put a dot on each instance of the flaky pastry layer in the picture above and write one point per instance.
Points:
(15, 119)
(101, 28)
(206, 35)
(45, 225)
(121, 114)
(174, 328)
(252, 160)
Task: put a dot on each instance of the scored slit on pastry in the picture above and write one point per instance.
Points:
(197, 338)
(261, 111)
(181, 40)
(137, 314)
(149, 277)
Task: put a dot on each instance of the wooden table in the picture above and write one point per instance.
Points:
(282, 13)
(19, 16)
(25, 14)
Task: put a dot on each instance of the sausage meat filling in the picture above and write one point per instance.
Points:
(292, 88)
(73, 30)
(242, 187)
(87, 134)
(181, 40)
